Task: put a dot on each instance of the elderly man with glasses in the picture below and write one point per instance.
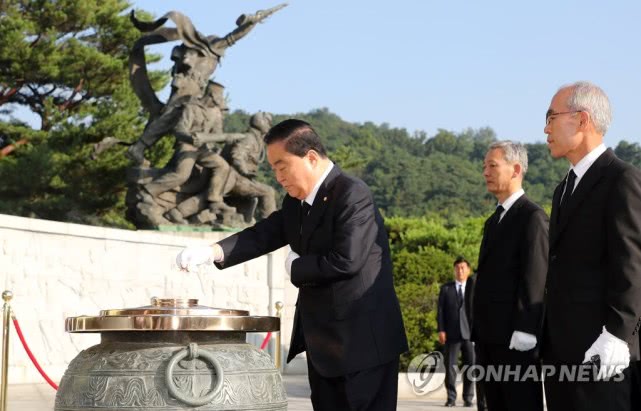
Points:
(593, 288)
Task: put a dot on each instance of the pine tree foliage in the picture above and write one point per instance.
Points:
(65, 62)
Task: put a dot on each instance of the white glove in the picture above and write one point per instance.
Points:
(191, 257)
(522, 341)
(289, 260)
(614, 354)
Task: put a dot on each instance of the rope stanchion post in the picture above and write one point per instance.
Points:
(6, 322)
(277, 350)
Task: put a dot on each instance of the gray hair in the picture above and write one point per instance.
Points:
(585, 96)
(513, 153)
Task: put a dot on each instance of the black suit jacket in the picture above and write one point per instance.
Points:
(347, 316)
(594, 276)
(511, 275)
(448, 315)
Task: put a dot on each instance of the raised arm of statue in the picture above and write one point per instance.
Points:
(245, 23)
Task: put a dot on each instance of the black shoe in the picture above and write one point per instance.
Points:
(467, 404)
(450, 404)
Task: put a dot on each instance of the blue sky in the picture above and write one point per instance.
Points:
(429, 64)
(424, 64)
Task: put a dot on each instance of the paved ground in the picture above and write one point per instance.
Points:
(40, 397)
(298, 397)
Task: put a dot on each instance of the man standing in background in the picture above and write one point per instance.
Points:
(508, 295)
(454, 330)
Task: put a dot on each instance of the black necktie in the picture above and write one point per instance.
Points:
(493, 223)
(566, 194)
(496, 217)
(304, 212)
(305, 208)
(569, 188)
(460, 295)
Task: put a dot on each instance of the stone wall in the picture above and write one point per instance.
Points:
(58, 270)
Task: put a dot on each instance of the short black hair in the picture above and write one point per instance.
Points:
(299, 137)
(459, 260)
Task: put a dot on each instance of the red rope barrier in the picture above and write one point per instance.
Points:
(33, 359)
(266, 340)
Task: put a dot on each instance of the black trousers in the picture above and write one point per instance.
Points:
(373, 389)
(564, 395)
(635, 371)
(513, 390)
(452, 350)
(481, 405)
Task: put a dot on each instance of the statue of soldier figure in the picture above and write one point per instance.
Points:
(210, 177)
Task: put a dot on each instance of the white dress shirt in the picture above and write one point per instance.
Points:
(586, 162)
(312, 195)
(509, 202)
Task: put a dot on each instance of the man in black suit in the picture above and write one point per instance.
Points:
(454, 330)
(593, 290)
(508, 295)
(347, 318)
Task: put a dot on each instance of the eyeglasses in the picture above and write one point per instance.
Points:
(550, 116)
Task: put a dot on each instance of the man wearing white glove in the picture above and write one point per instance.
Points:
(593, 299)
(610, 354)
(510, 281)
(347, 318)
(193, 256)
(521, 341)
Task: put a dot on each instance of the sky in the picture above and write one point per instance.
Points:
(425, 64)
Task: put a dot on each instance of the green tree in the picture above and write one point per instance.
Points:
(423, 251)
(419, 306)
(444, 141)
(544, 173)
(66, 61)
(630, 152)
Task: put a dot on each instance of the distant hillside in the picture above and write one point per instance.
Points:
(417, 175)
(410, 175)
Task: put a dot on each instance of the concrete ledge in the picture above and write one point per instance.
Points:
(58, 270)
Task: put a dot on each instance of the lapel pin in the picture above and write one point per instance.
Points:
(324, 198)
